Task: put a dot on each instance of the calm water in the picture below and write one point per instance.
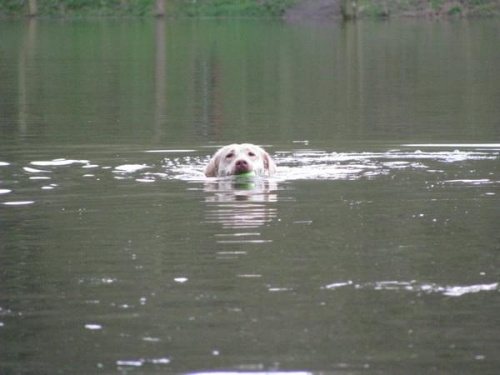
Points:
(374, 250)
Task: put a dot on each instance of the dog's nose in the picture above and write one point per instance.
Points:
(242, 166)
(241, 163)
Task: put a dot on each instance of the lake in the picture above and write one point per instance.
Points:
(375, 249)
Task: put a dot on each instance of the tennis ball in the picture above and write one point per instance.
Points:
(246, 174)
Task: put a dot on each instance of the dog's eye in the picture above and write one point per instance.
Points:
(251, 154)
(229, 156)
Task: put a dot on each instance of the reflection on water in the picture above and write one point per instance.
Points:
(251, 189)
(241, 204)
(361, 80)
(374, 250)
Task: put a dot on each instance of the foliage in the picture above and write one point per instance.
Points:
(436, 4)
(230, 8)
(192, 8)
(79, 7)
(485, 9)
(246, 8)
(429, 8)
(455, 10)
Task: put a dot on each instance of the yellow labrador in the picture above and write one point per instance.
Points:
(240, 158)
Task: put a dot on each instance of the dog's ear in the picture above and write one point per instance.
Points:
(269, 163)
(213, 166)
(212, 169)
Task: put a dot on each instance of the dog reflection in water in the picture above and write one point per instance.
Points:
(239, 202)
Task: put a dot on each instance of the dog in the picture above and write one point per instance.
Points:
(240, 158)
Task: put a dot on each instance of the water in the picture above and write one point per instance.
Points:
(374, 250)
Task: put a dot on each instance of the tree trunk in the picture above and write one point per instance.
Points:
(160, 8)
(32, 8)
(349, 9)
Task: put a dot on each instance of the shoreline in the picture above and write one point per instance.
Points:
(289, 10)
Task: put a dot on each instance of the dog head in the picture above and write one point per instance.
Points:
(240, 158)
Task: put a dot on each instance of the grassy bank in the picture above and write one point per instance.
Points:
(175, 8)
(429, 8)
(247, 8)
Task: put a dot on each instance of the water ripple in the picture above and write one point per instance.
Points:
(298, 164)
(321, 165)
(57, 162)
(18, 203)
(413, 286)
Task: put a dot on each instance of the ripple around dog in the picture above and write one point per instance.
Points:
(322, 165)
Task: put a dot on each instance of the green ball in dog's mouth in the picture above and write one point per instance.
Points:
(246, 174)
